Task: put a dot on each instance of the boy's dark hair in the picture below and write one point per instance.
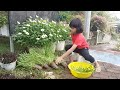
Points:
(76, 23)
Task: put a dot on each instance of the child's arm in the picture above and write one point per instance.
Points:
(66, 54)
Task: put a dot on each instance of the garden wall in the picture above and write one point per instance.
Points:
(23, 15)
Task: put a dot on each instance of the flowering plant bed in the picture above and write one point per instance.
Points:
(39, 32)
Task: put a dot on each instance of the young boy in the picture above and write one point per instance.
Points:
(79, 45)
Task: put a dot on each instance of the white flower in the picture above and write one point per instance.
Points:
(58, 31)
(30, 20)
(30, 17)
(54, 22)
(37, 16)
(42, 30)
(18, 22)
(44, 20)
(39, 21)
(27, 25)
(44, 36)
(19, 33)
(41, 18)
(37, 38)
(26, 33)
(50, 34)
(65, 30)
(60, 35)
(24, 27)
(47, 19)
(46, 23)
(64, 24)
(43, 23)
(33, 21)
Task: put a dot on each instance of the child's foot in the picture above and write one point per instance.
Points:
(97, 67)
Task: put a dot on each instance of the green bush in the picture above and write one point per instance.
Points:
(39, 32)
(3, 18)
(65, 16)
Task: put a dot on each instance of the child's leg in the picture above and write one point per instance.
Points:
(87, 56)
(67, 47)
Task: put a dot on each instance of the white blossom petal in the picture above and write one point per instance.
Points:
(37, 16)
(37, 38)
(27, 25)
(42, 30)
(19, 33)
(18, 22)
(24, 30)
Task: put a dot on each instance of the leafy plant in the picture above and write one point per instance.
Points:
(3, 18)
(62, 32)
(38, 32)
(65, 16)
(44, 55)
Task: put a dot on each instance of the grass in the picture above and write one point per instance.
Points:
(19, 72)
(22, 73)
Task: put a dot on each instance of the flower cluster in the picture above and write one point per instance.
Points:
(39, 32)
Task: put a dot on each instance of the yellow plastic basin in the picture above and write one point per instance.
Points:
(80, 74)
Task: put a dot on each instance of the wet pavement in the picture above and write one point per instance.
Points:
(105, 53)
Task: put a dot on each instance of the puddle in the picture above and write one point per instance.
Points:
(106, 57)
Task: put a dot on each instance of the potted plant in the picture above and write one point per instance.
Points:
(8, 61)
(60, 45)
(62, 35)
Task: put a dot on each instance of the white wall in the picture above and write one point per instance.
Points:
(106, 38)
(4, 30)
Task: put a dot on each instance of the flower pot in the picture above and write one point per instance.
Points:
(10, 66)
(60, 46)
(54, 46)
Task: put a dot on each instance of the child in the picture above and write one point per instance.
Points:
(79, 44)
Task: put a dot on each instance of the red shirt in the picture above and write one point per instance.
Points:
(80, 41)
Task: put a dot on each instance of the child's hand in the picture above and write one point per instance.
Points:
(59, 59)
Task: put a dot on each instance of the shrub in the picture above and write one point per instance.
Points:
(65, 16)
(98, 23)
(39, 32)
(3, 18)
